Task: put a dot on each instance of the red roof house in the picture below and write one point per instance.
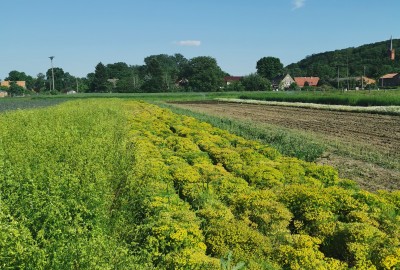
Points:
(301, 81)
(230, 79)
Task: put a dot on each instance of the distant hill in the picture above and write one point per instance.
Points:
(374, 57)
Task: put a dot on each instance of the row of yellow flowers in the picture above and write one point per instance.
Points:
(266, 208)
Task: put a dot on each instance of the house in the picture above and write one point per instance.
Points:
(391, 79)
(282, 82)
(19, 83)
(230, 79)
(3, 94)
(310, 81)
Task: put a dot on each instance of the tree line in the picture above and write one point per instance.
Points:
(160, 73)
(173, 73)
(370, 60)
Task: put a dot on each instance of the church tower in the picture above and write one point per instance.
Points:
(391, 51)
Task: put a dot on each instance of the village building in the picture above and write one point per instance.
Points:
(391, 79)
(19, 83)
(303, 81)
(3, 94)
(230, 79)
(282, 82)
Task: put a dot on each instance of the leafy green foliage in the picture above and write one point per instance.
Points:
(255, 82)
(360, 98)
(269, 67)
(99, 82)
(204, 74)
(374, 57)
(16, 90)
(57, 174)
(15, 75)
(102, 184)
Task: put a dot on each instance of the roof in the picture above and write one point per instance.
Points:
(281, 77)
(232, 78)
(389, 76)
(312, 81)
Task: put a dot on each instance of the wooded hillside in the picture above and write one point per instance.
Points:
(374, 57)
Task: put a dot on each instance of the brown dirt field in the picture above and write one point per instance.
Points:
(381, 132)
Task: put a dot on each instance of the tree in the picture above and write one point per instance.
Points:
(255, 82)
(294, 86)
(235, 86)
(85, 83)
(59, 74)
(204, 74)
(153, 81)
(99, 82)
(69, 82)
(171, 68)
(15, 89)
(269, 67)
(39, 83)
(118, 70)
(20, 76)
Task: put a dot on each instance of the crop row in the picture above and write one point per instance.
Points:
(269, 209)
(128, 185)
(359, 98)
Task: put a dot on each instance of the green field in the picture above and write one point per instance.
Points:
(122, 184)
(7, 104)
(351, 98)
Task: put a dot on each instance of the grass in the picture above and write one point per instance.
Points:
(351, 98)
(300, 144)
(288, 142)
(167, 96)
(38, 101)
(102, 184)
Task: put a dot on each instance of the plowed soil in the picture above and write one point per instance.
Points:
(379, 131)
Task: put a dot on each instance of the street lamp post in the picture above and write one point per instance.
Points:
(52, 71)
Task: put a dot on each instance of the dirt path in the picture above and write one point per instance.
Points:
(379, 131)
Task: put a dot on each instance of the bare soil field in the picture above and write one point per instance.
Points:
(381, 132)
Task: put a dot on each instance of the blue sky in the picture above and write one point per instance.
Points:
(237, 33)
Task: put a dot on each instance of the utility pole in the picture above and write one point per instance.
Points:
(362, 80)
(338, 77)
(348, 86)
(52, 70)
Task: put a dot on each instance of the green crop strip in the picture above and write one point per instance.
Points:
(105, 184)
(358, 98)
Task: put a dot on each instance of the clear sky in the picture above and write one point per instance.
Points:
(237, 33)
